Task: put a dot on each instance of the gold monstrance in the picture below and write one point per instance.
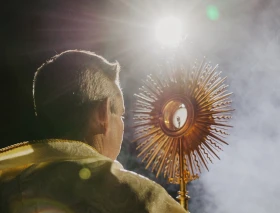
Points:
(180, 122)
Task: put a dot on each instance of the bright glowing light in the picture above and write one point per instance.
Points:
(169, 31)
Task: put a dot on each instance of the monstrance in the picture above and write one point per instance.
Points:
(181, 121)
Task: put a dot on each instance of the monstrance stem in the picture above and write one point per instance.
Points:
(183, 197)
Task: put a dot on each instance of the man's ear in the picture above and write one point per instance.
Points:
(103, 112)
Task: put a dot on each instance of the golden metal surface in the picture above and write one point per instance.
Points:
(180, 122)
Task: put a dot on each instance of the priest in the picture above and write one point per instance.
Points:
(79, 107)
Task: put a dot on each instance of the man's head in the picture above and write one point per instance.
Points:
(77, 97)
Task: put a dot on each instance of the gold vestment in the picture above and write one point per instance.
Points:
(59, 176)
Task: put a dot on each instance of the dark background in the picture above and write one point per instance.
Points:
(244, 40)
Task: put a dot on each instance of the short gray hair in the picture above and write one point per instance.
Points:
(68, 86)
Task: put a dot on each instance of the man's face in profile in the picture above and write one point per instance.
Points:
(115, 128)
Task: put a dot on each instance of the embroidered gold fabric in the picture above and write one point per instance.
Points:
(70, 176)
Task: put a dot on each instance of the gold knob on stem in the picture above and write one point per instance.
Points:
(183, 196)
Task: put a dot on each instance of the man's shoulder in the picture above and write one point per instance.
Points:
(101, 184)
(126, 176)
(153, 196)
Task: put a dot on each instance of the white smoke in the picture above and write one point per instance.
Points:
(246, 44)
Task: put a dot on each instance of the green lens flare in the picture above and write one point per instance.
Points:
(84, 173)
(213, 12)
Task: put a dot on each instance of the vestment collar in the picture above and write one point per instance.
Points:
(47, 150)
